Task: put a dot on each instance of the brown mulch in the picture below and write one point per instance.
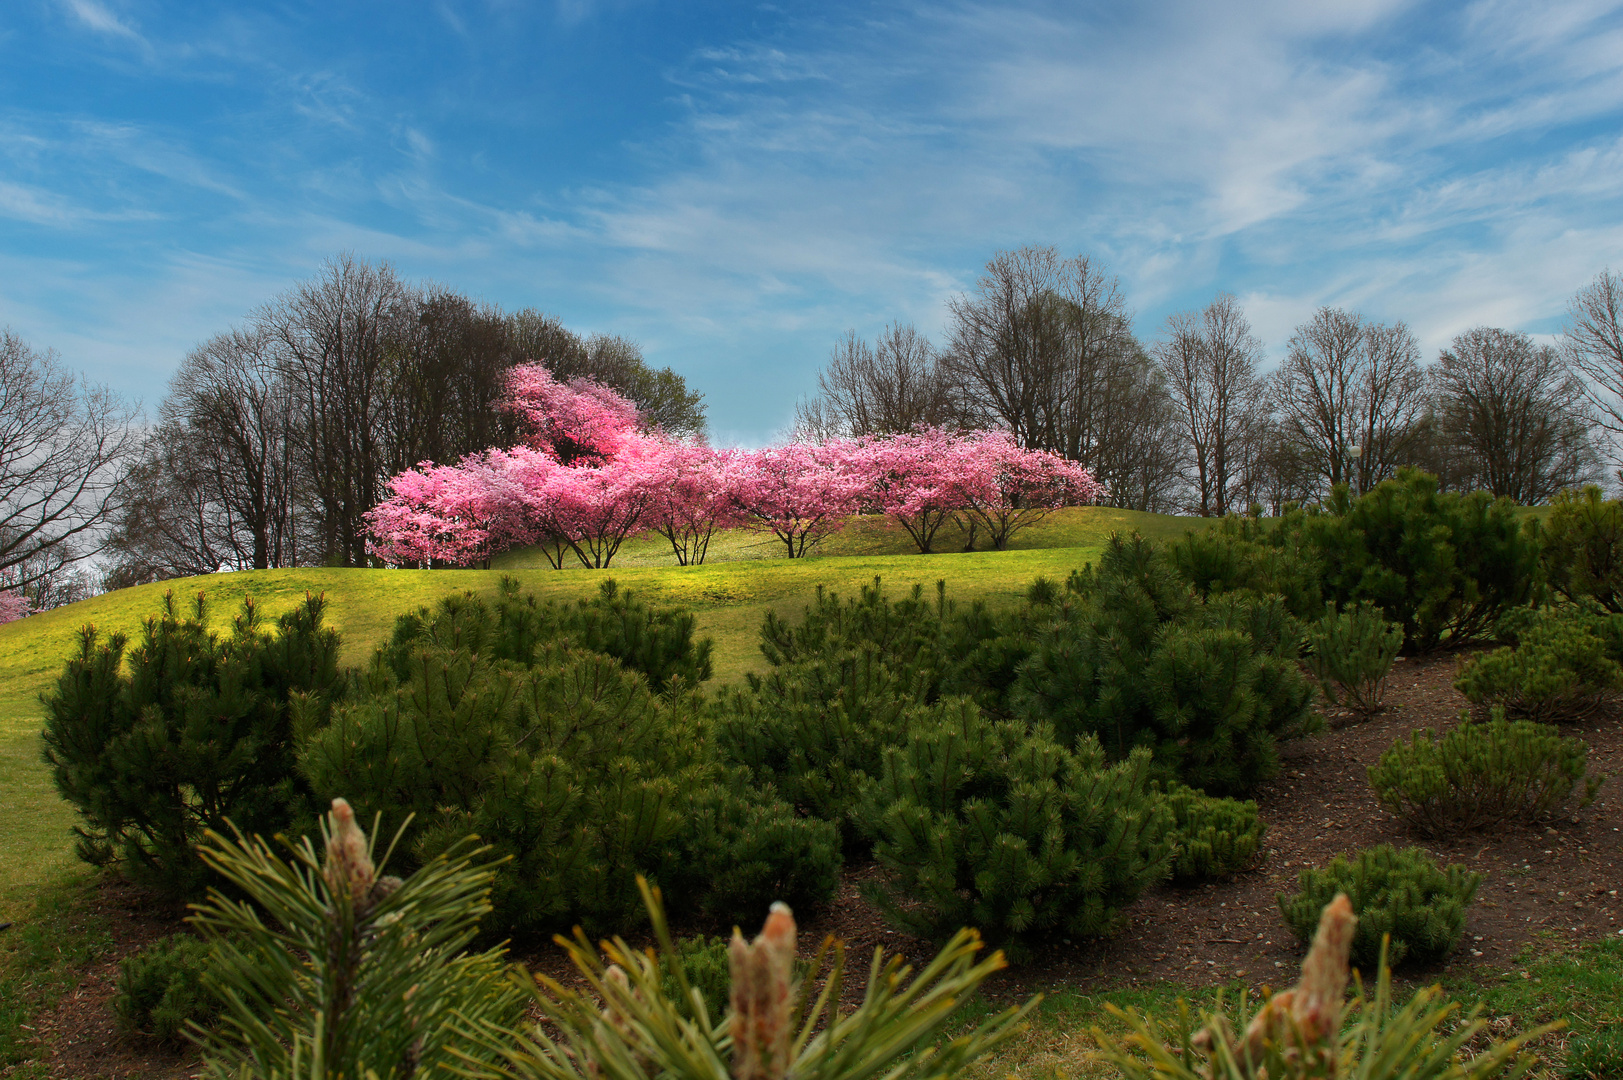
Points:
(1565, 878)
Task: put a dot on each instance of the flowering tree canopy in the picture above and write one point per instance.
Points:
(13, 605)
(589, 478)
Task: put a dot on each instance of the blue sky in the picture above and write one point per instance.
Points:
(734, 185)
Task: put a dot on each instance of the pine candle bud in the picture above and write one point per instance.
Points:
(349, 865)
(1309, 1014)
(763, 997)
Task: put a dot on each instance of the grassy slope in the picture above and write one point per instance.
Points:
(744, 579)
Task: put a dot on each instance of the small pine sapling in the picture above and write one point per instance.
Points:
(1212, 837)
(332, 969)
(638, 1016)
(1396, 893)
(1309, 1032)
(1350, 654)
(1483, 775)
(1563, 667)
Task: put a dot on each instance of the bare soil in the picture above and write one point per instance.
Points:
(1565, 877)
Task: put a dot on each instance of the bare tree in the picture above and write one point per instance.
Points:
(1351, 396)
(895, 385)
(335, 335)
(1593, 344)
(64, 451)
(1044, 348)
(1210, 359)
(1514, 415)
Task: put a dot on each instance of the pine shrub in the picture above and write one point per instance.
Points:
(817, 728)
(1237, 554)
(984, 823)
(1211, 837)
(1443, 565)
(566, 762)
(156, 744)
(1310, 1032)
(1483, 775)
(1563, 667)
(1583, 548)
(1400, 892)
(1350, 654)
(165, 987)
(518, 628)
(740, 847)
(1138, 661)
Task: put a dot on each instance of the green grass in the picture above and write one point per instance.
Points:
(730, 594)
(1580, 984)
(57, 932)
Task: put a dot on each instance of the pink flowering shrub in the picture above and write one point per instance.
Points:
(588, 479)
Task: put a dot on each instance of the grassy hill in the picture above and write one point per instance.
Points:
(745, 578)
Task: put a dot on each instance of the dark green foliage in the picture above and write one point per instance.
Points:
(1394, 891)
(197, 731)
(165, 986)
(1240, 555)
(1350, 653)
(1212, 838)
(1595, 1056)
(983, 823)
(1583, 548)
(1563, 667)
(1482, 775)
(708, 969)
(740, 847)
(1443, 565)
(1139, 661)
(517, 628)
(818, 727)
(565, 761)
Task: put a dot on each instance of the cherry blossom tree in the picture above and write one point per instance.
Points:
(801, 492)
(694, 495)
(914, 478)
(1007, 488)
(457, 514)
(13, 605)
(576, 420)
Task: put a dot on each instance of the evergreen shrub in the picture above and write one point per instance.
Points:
(1443, 565)
(1350, 654)
(518, 628)
(566, 762)
(197, 731)
(1483, 775)
(1583, 548)
(985, 823)
(1400, 892)
(1563, 667)
(1211, 837)
(1247, 555)
(166, 986)
(1136, 659)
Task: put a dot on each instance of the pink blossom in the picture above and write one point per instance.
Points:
(1007, 487)
(800, 492)
(580, 419)
(694, 494)
(914, 478)
(13, 605)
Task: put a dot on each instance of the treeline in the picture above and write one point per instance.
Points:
(276, 437)
(1188, 422)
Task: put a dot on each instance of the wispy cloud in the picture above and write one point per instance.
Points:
(98, 17)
